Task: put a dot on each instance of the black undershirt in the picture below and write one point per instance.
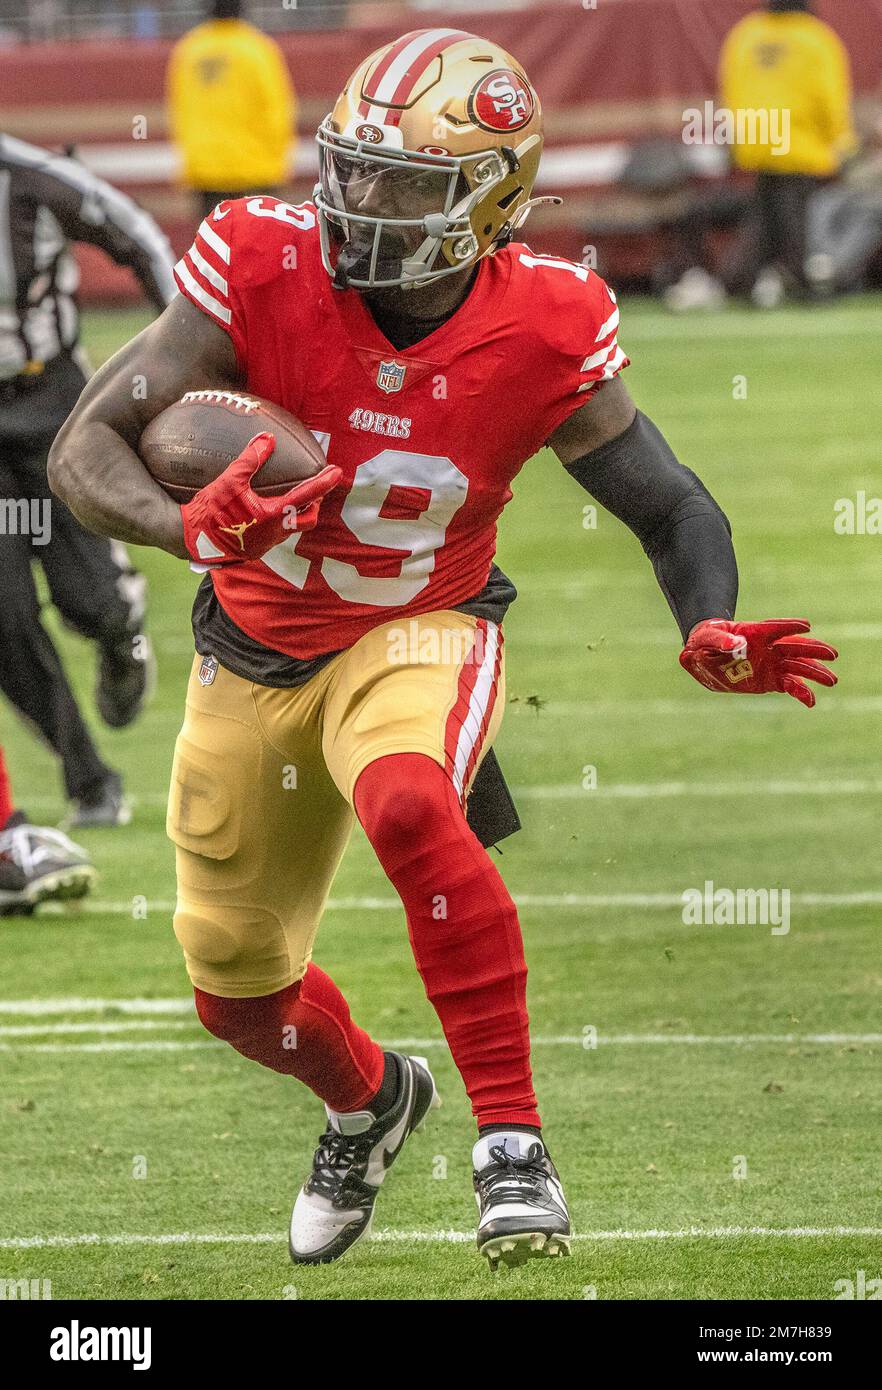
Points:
(215, 634)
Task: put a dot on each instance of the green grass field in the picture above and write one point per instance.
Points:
(717, 1050)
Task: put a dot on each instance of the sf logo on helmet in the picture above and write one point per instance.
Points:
(500, 101)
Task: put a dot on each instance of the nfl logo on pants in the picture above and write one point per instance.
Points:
(390, 377)
(208, 669)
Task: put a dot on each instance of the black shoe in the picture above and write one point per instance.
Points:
(48, 865)
(13, 887)
(126, 676)
(522, 1209)
(335, 1206)
(103, 805)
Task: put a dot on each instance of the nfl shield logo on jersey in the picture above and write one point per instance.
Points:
(208, 669)
(390, 377)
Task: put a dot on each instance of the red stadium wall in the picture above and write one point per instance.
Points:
(607, 76)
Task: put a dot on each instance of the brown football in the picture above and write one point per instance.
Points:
(192, 442)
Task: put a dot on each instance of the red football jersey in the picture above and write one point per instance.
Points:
(428, 439)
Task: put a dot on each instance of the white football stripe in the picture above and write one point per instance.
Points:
(648, 706)
(408, 55)
(95, 907)
(105, 1047)
(217, 244)
(607, 328)
(136, 1025)
(573, 791)
(76, 1004)
(614, 359)
(597, 357)
(208, 301)
(651, 791)
(615, 363)
(409, 1045)
(59, 1242)
(208, 271)
(479, 698)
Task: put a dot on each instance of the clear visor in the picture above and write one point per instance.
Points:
(392, 190)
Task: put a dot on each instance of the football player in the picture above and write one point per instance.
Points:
(355, 666)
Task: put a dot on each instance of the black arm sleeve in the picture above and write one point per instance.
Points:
(685, 534)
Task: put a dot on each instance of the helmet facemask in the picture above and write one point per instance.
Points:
(419, 229)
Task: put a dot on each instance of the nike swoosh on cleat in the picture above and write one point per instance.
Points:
(390, 1155)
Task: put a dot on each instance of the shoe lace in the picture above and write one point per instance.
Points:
(339, 1163)
(30, 845)
(510, 1177)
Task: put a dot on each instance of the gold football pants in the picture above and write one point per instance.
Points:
(260, 806)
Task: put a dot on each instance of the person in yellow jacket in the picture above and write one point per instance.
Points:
(231, 107)
(790, 69)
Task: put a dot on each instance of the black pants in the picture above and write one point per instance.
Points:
(776, 232)
(90, 580)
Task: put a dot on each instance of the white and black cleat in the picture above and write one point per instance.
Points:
(335, 1206)
(51, 866)
(522, 1209)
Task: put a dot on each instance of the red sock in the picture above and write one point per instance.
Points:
(306, 1031)
(6, 806)
(463, 927)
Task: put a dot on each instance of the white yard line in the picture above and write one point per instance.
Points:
(96, 907)
(76, 1004)
(725, 788)
(646, 791)
(569, 1040)
(104, 1047)
(829, 703)
(141, 1025)
(661, 637)
(438, 1237)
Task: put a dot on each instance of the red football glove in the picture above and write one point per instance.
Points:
(754, 658)
(226, 522)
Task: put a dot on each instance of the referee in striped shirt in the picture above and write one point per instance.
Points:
(47, 201)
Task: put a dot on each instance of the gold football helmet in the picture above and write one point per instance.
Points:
(427, 161)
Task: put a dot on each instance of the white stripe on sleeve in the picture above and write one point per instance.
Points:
(207, 270)
(190, 284)
(217, 244)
